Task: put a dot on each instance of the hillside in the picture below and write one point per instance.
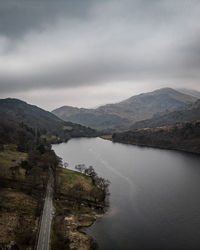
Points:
(122, 115)
(191, 92)
(93, 118)
(15, 112)
(26, 161)
(182, 136)
(189, 113)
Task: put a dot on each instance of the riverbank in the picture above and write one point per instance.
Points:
(182, 137)
(70, 224)
(78, 203)
(153, 186)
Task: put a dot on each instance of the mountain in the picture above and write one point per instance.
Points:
(191, 92)
(121, 115)
(15, 113)
(182, 136)
(94, 118)
(186, 114)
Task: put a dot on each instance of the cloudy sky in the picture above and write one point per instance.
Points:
(90, 52)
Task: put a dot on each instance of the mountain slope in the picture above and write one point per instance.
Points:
(189, 113)
(182, 136)
(122, 115)
(15, 112)
(93, 118)
(28, 165)
(191, 92)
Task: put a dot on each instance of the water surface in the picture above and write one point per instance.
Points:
(154, 201)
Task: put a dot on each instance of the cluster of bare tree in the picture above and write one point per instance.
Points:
(100, 182)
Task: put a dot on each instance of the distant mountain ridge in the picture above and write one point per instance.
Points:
(186, 114)
(123, 114)
(179, 129)
(191, 92)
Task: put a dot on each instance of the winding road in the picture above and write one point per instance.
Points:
(47, 215)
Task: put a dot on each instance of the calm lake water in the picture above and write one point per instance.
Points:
(155, 194)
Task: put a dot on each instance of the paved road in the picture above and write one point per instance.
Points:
(45, 225)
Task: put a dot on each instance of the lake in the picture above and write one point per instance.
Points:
(154, 194)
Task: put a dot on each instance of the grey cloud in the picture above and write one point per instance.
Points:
(18, 17)
(98, 42)
(102, 70)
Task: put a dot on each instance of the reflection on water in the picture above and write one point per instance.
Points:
(154, 201)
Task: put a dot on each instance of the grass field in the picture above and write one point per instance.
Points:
(68, 178)
(76, 184)
(77, 205)
(10, 157)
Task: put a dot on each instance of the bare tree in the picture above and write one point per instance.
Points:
(65, 165)
(91, 172)
(102, 184)
(80, 167)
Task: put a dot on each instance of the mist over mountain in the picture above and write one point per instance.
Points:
(123, 114)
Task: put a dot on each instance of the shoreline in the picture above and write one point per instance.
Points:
(73, 215)
(157, 147)
(72, 226)
(89, 242)
(109, 138)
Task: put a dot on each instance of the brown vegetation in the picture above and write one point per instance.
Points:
(183, 136)
(18, 216)
(78, 200)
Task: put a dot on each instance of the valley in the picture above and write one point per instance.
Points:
(27, 164)
(32, 141)
(99, 125)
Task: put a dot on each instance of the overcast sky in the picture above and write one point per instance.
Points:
(90, 52)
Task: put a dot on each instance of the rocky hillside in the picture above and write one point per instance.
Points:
(182, 136)
(122, 115)
(189, 113)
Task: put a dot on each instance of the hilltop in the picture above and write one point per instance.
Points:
(121, 115)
